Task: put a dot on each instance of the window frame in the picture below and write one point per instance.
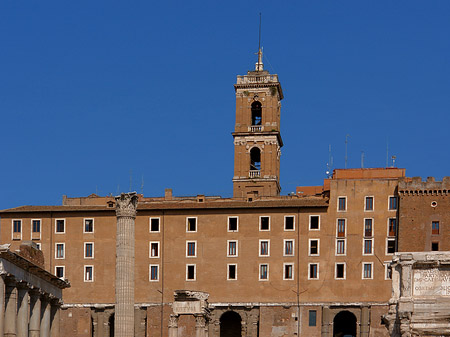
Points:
(150, 250)
(336, 269)
(187, 224)
(387, 246)
(337, 227)
(309, 247)
(188, 242)
(187, 272)
(85, 244)
(310, 217)
(336, 253)
(150, 224)
(16, 235)
(372, 230)
(237, 224)
(345, 203)
(289, 264)
(150, 266)
(386, 271)
(84, 225)
(372, 247)
(235, 272)
(64, 272)
(365, 203)
(228, 248)
(433, 230)
(85, 273)
(317, 271)
(34, 235)
(389, 203)
(364, 264)
(389, 226)
(312, 318)
(260, 223)
(56, 226)
(260, 248)
(63, 244)
(293, 223)
(267, 272)
(293, 247)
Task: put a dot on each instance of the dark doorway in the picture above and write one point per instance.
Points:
(230, 324)
(344, 325)
(111, 325)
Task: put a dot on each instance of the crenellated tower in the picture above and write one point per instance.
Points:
(257, 139)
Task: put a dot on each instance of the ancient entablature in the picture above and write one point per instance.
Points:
(420, 303)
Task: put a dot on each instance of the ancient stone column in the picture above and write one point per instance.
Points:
(45, 321)
(326, 317)
(173, 326)
(126, 205)
(2, 304)
(10, 309)
(406, 279)
(35, 313)
(55, 319)
(22, 313)
(200, 326)
(365, 322)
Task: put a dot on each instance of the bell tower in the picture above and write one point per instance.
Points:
(257, 139)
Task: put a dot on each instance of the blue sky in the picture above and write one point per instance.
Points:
(95, 92)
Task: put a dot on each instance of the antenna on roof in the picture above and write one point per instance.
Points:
(387, 151)
(259, 65)
(259, 42)
(362, 159)
(347, 136)
(329, 171)
(142, 185)
(393, 160)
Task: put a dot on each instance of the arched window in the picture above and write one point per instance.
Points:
(255, 159)
(256, 113)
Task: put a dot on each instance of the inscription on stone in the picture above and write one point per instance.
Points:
(431, 282)
(188, 307)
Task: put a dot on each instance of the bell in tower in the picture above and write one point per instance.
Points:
(257, 139)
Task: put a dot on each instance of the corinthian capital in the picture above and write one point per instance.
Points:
(126, 204)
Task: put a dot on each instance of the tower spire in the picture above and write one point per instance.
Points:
(259, 65)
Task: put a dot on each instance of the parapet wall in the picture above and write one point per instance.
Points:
(415, 185)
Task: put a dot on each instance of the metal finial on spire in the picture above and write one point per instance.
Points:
(259, 65)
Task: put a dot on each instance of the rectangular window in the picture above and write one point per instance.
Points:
(340, 271)
(313, 273)
(88, 273)
(154, 273)
(341, 228)
(288, 248)
(264, 248)
(232, 272)
(288, 271)
(36, 225)
(392, 226)
(154, 249)
(289, 223)
(393, 203)
(340, 247)
(190, 272)
(387, 271)
(191, 224)
(368, 227)
(435, 246)
(59, 272)
(314, 222)
(368, 247)
(88, 226)
(59, 251)
(435, 227)
(191, 249)
(88, 250)
(367, 271)
(233, 223)
(17, 226)
(232, 249)
(264, 223)
(390, 246)
(368, 204)
(263, 272)
(342, 204)
(60, 226)
(154, 225)
(314, 247)
(312, 318)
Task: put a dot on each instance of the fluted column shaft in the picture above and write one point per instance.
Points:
(22, 313)
(45, 322)
(54, 327)
(10, 310)
(35, 314)
(2, 305)
(126, 205)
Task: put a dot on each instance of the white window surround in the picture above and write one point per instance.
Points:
(364, 227)
(195, 248)
(260, 265)
(235, 271)
(389, 203)
(335, 270)
(386, 268)
(56, 221)
(284, 271)
(195, 272)
(289, 216)
(38, 245)
(35, 235)
(237, 224)
(63, 269)
(309, 274)
(318, 247)
(228, 248)
(264, 230)
(345, 227)
(365, 203)
(63, 250)
(85, 244)
(84, 225)
(346, 205)
(371, 271)
(364, 245)
(314, 229)
(268, 248)
(187, 224)
(86, 279)
(388, 223)
(387, 245)
(14, 235)
(150, 224)
(150, 272)
(284, 247)
(150, 249)
(345, 247)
